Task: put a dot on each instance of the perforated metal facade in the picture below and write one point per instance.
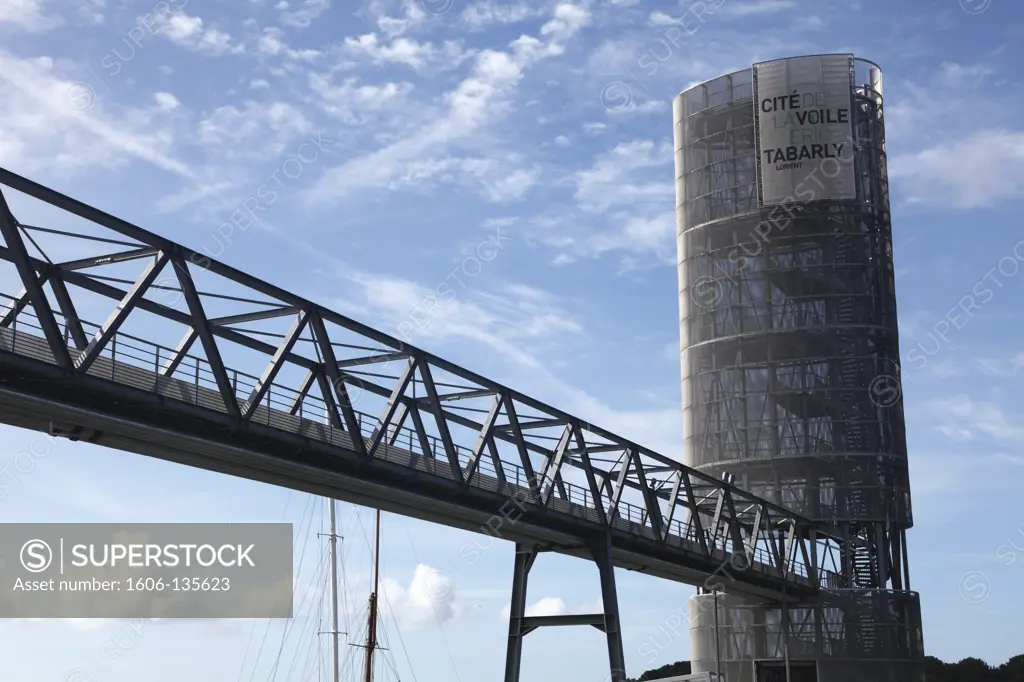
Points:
(790, 375)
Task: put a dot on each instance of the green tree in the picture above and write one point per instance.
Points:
(1012, 670)
(971, 669)
(935, 670)
(670, 670)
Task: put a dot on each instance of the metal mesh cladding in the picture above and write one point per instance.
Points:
(787, 320)
(790, 381)
(853, 635)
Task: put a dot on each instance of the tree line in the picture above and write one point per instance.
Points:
(967, 670)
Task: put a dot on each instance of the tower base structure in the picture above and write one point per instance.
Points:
(520, 624)
(842, 636)
(790, 358)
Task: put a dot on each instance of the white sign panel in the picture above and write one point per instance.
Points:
(805, 130)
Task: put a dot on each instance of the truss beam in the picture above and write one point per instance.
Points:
(204, 331)
(550, 464)
(33, 288)
(120, 314)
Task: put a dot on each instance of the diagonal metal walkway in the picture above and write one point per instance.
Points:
(195, 362)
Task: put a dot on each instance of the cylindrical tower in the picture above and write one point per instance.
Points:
(790, 356)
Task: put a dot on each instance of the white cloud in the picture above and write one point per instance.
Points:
(608, 183)
(305, 14)
(428, 600)
(91, 11)
(257, 130)
(191, 195)
(513, 185)
(978, 171)
(960, 105)
(1001, 367)
(406, 51)
(351, 102)
(547, 606)
(626, 198)
(956, 75)
(970, 419)
(272, 44)
(189, 32)
(661, 19)
(63, 126)
(488, 13)
(515, 319)
(653, 234)
(27, 15)
(746, 9)
(412, 17)
(236, 142)
(166, 101)
(495, 179)
(474, 103)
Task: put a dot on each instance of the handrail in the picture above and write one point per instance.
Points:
(127, 349)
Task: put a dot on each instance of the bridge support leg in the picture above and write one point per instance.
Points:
(525, 556)
(610, 598)
(520, 625)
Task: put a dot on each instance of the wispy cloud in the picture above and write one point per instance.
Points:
(28, 15)
(760, 7)
(975, 418)
(42, 125)
(193, 33)
(472, 105)
(981, 170)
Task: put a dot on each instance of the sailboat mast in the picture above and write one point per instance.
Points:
(371, 627)
(335, 653)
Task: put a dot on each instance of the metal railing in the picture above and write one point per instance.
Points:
(196, 376)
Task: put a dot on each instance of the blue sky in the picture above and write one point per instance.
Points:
(435, 127)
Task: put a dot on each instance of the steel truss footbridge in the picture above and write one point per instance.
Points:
(114, 335)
